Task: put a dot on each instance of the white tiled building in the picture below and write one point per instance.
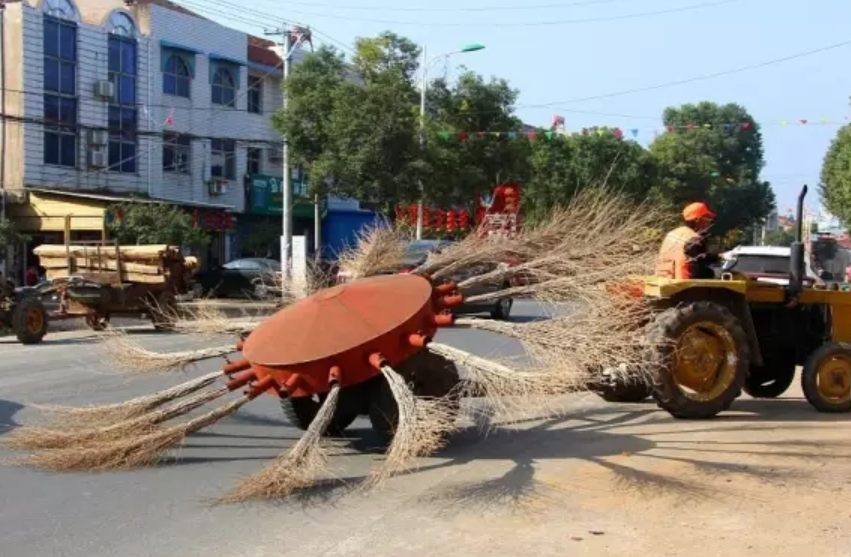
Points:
(110, 100)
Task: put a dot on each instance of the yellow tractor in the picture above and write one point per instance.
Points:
(712, 339)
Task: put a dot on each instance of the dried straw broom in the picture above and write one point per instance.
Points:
(294, 469)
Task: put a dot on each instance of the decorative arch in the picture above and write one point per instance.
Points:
(122, 24)
(61, 9)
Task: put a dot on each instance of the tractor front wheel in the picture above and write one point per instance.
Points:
(700, 358)
(826, 378)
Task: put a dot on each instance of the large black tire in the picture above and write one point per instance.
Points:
(301, 411)
(826, 378)
(430, 375)
(665, 355)
(29, 320)
(772, 379)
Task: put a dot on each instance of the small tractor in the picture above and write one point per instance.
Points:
(709, 340)
(22, 312)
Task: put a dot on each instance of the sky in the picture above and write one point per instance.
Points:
(632, 54)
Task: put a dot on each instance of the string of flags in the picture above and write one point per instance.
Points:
(558, 129)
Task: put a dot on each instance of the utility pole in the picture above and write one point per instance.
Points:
(294, 37)
(423, 85)
(5, 258)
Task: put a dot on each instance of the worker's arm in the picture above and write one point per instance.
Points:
(699, 256)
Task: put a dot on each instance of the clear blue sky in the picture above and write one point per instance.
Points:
(555, 51)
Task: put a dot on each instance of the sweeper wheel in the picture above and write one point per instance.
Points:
(430, 375)
(300, 412)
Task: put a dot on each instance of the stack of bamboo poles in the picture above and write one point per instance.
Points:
(150, 264)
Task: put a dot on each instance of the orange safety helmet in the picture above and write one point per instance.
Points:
(697, 211)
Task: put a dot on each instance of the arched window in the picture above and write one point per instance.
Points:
(123, 118)
(60, 9)
(60, 83)
(120, 24)
(176, 76)
(224, 87)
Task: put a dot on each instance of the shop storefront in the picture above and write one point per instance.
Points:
(259, 230)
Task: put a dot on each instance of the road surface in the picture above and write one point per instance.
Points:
(770, 478)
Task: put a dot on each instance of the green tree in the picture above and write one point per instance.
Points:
(455, 171)
(155, 223)
(561, 167)
(835, 183)
(714, 153)
(779, 237)
(9, 235)
(312, 94)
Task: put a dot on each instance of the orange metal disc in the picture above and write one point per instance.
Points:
(336, 320)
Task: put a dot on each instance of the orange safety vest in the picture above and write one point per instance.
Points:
(672, 261)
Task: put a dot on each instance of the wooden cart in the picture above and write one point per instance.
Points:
(97, 281)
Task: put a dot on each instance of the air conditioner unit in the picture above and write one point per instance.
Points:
(98, 137)
(218, 186)
(99, 159)
(104, 89)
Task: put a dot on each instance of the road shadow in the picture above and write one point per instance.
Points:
(8, 409)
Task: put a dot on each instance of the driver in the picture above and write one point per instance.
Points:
(684, 254)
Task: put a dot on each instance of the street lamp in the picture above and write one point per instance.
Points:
(426, 63)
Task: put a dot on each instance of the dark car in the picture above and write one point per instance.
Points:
(252, 277)
(419, 250)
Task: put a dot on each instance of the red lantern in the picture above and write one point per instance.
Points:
(426, 217)
(439, 219)
(450, 221)
(463, 219)
(412, 214)
(228, 221)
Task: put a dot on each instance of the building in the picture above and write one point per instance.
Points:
(107, 101)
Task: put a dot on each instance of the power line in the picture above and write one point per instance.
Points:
(525, 24)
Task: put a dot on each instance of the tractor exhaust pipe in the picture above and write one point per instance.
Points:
(797, 265)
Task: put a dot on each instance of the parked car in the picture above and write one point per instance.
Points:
(416, 254)
(251, 277)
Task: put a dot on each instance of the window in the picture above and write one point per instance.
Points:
(177, 78)
(60, 87)
(177, 151)
(223, 158)
(255, 93)
(255, 160)
(123, 114)
(223, 90)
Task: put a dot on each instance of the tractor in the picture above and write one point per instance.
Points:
(710, 340)
(22, 312)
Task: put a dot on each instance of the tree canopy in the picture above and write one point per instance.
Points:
(713, 153)
(155, 223)
(835, 183)
(362, 136)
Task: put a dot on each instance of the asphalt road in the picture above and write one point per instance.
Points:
(608, 480)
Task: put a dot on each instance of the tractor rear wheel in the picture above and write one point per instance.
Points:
(430, 375)
(700, 358)
(301, 411)
(826, 378)
(772, 379)
(29, 320)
